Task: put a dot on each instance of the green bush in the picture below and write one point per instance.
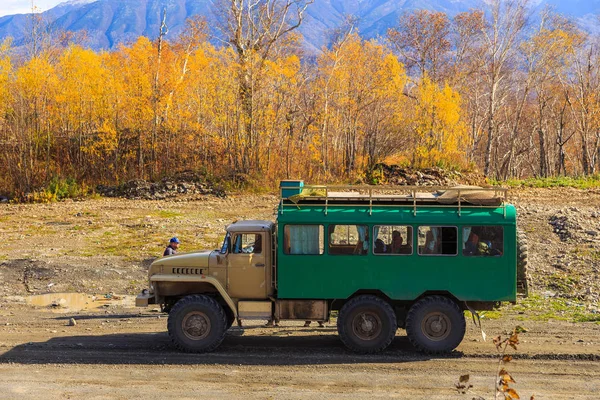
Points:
(58, 188)
(375, 176)
(65, 188)
(580, 182)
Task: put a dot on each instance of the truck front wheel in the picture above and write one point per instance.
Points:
(435, 324)
(197, 324)
(367, 324)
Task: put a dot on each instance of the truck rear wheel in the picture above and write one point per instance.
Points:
(435, 324)
(197, 324)
(367, 324)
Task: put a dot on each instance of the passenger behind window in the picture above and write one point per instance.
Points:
(380, 247)
(397, 246)
(430, 243)
(482, 241)
(485, 248)
(361, 246)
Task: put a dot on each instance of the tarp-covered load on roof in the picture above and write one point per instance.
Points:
(462, 194)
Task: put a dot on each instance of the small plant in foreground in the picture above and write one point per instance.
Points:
(503, 379)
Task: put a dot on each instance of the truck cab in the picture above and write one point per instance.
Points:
(244, 263)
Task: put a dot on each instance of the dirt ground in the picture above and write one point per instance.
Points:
(101, 249)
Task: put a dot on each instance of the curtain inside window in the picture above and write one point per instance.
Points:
(362, 236)
(465, 237)
(304, 239)
(432, 245)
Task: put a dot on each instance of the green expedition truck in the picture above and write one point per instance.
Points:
(382, 257)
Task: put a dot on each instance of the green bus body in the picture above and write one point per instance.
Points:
(399, 277)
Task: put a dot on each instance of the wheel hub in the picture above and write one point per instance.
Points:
(367, 325)
(196, 325)
(436, 326)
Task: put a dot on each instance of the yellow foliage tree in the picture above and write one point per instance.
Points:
(360, 84)
(35, 89)
(132, 70)
(440, 135)
(5, 76)
(82, 106)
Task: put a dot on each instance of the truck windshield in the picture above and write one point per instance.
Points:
(225, 246)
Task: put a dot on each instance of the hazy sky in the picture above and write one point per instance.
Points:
(24, 6)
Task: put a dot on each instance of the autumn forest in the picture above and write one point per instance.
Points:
(507, 92)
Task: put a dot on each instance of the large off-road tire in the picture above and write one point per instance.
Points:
(367, 324)
(230, 321)
(522, 264)
(435, 324)
(197, 324)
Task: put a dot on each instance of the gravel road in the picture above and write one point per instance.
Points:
(122, 353)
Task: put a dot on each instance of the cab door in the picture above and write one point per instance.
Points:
(247, 263)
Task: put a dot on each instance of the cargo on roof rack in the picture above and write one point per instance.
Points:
(295, 193)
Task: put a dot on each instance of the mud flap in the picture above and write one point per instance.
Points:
(476, 320)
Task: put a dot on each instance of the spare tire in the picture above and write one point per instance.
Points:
(522, 264)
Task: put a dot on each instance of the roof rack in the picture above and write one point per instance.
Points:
(295, 193)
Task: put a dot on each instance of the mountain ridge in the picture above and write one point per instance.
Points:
(111, 22)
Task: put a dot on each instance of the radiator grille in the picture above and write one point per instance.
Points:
(187, 271)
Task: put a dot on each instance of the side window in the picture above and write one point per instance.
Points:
(482, 241)
(247, 243)
(303, 239)
(348, 239)
(438, 240)
(392, 239)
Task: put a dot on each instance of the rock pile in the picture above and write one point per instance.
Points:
(396, 175)
(571, 224)
(562, 226)
(184, 183)
(568, 269)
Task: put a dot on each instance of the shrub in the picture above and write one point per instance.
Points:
(57, 189)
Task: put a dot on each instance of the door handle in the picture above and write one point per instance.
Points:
(259, 265)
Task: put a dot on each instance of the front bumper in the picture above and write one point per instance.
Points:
(144, 299)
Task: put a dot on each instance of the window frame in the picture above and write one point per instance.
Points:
(482, 256)
(291, 254)
(369, 241)
(441, 254)
(412, 248)
(235, 236)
